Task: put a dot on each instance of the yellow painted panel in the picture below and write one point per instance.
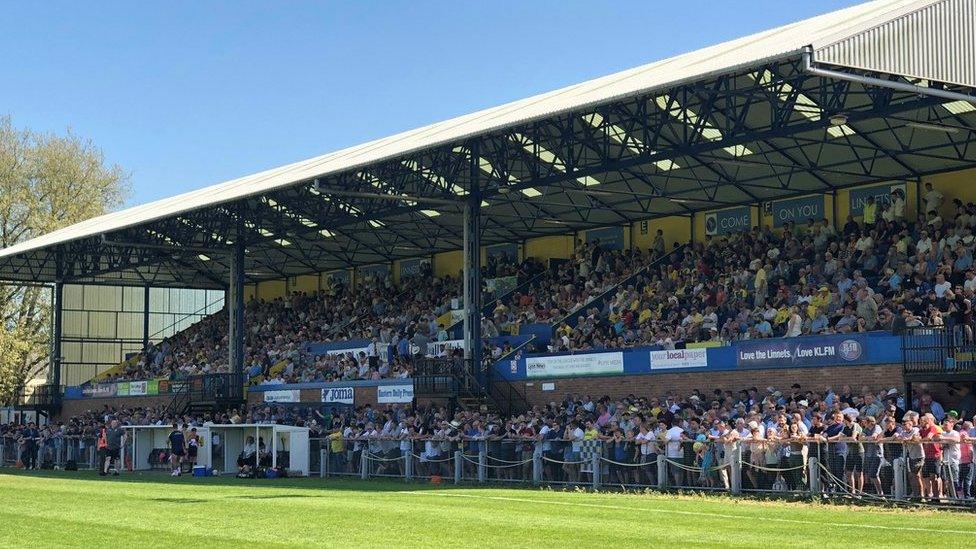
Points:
(271, 289)
(677, 229)
(306, 283)
(448, 264)
(548, 247)
(959, 184)
(249, 292)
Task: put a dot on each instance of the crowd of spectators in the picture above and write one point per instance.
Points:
(565, 287)
(883, 273)
(878, 272)
(856, 434)
(278, 330)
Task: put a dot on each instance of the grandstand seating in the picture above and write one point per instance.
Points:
(814, 279)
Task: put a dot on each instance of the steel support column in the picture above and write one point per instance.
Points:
(54, 376)
(145, 318)
(472, 267)
(234, 298)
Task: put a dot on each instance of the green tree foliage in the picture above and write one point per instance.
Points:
(46, 182)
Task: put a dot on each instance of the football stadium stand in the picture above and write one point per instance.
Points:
(745, 268)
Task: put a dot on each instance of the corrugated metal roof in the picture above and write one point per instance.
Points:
(935, 40)
(726, 57)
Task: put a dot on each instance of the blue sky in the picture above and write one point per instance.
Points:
(187, 94)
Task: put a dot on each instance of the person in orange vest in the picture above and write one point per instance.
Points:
(102, 446)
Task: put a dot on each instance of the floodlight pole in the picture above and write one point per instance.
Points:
(472, 268)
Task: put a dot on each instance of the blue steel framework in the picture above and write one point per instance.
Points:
(633, 158)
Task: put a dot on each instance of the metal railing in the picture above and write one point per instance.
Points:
(889, 470)
(57, 452)
(461, 378)
(939, 351)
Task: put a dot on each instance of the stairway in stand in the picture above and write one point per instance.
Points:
(212, 393)
(460, 384)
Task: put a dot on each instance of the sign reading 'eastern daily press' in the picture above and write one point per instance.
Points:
(679, 358)
(574, 365)
(394, 394)
(806, 351)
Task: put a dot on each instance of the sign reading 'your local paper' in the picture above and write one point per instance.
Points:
(679, 358)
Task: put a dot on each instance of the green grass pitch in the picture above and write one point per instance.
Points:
(79, 509)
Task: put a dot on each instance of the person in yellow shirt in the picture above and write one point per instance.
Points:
(761, 286)
(782, 315)
(644, 316)
(821, 299)
(870, 211)
(337, 451)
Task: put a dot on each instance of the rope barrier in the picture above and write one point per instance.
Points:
(428, 460)
(370, 455)
(564, 462)
(478, 463)
(507, 461)
(773, 469)
(847, 487)
(612, 462)
(694, 469)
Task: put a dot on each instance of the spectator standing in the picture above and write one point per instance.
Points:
(114, 440)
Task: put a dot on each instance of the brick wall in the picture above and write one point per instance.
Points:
(364, 396)
(875, 377)
(71, 408)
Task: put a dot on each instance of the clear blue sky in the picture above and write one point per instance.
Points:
(187, 94)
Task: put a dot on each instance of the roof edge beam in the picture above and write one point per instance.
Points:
(810, 67)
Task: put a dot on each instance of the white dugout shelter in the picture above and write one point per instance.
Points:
(144, 439)
(277, 438)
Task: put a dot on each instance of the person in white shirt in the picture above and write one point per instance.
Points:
(933, 199)
(896, 209)
(941, 285)
(795, 325)
(645, 444)
(573, 435)
(924, 244)
(674, 436)
(864, 243)
(951, 453)
(970, 283)
(729, 438)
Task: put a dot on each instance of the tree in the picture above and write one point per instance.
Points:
(47, 182)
